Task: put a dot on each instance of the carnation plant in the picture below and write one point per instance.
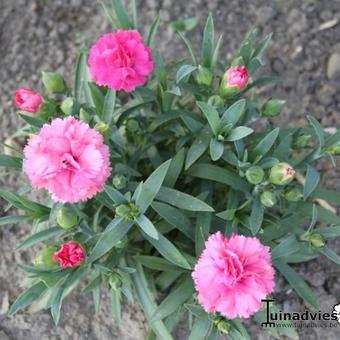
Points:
(168, 185)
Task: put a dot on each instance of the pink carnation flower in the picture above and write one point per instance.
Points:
(233, 275)
(69, 255)
(69, 159)
(237, 76)
(120, 60)
(28, 100)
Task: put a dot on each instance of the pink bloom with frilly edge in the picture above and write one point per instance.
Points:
(28, 100)
(69, 255)
(233, 275)
(69, 159)
(120, 60)
(237, 76)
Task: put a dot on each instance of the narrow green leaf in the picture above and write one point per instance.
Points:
(174, 300)
(121, 14)
(151, 186)
(175, 169)
(312, 181)
(41, 236)
(95, 282)
(211, 115)
(147, 226)
(156, 263)
(208, 42)
(14, 219)
(216, 149)
(189, 46)
(239, 133)
(81, 80)
(109, 106)
(115, 195)
(256, 216)
(324, 215)
(265, 144)
(261, 47)
(182, 200)
(184, 71)
(11, 162)
(233, 114)
(116, 305)
(153, 31)
(286, 247)
(169, 251)
(97, 98)
(28, 297)
(201, 328)
(318, 130)
(134, 14)
(215, 55)
(329, 232)
(330, 254)
(296, 282)
(33, 121)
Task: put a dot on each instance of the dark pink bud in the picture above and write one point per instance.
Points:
(28, 100)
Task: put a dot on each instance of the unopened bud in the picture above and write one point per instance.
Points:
(234, 80)
(268, 198)
(84, 116)
(223, 327)
(204, 76)
(281, 174)
(119, 181)
(128, 211)
(301, 141)
(101, 127)
(293, 195)
(316, 240)
(255, 174)
(132, 125)
(272, 107)
(67, 218)
(115, 281)
(67, 106)
(53, 82)
(334, 149)
(44, 257)
(216, 101)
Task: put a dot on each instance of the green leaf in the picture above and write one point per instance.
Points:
(14, 219)
(196, 310)
(265, 144)
(175, 169)
(182, 200)
(329, 232)
(197, 148)
(239, 133)
(255, 64)
(312, 181)
(208, 42)
(153, 31)
(261, 47)
(81, 80)
(113, 233)
(218, 174)
(324, 215)
(146, 301)
(156, 263)
(211, 115)
(97, 98)
(11, 162)
(121, 14)
(202, 228)
(147, 226)
(215, 55)
(201, 328)
(116, 305)
(233, 114)
(184, 71)
(28, 297)
(189, 46)
(286, 247)
(134, 14)
(33, 121)
(216, 149)
(318, 130)
(151, 186)
(330, 254)
(328, 195)
(115, 195)
(296, 282)
(175, 217)
(169, 251)
(256, 216)
(94, 283)
(174, 300)
(41, 236)
(109, 106)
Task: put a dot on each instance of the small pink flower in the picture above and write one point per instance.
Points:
(28, 100)
(69, 255)
(69, 159)
(120, 60)
(233, 275)
(237, 76)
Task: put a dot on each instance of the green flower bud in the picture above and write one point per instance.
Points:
(334, 149)
(293, 195)
(84, 116)
(67, 105)
(223, 326)
(268, 198)
(301, 141)
(272, 107)
(53, 82)
(115, 281)
(132, 125)
(281, 174)
(128, 211)
(255, 174)
(204, 76)
(101, 127)
(119, 181)
(67, 218)
(216, 101)
(44, 258)
(316, 240)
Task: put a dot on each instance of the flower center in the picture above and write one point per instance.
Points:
(290, 172)
(233, 269)
(68, 162)
(123, 58)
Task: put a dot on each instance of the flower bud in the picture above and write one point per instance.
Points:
(204, 76)
(293, 195)
(216, 101)
(234, 80)
(67, 218)
(255, 174)
(127, 211)
(67, 106)
(223, 326)
(45, 259)
(281, 174)
(119, 181)
(334, 149)
(28, 100)
(301, 141)
(53, 82)
(132, 125)
(272, 107)
(101, 127)
(84, 116)
(316, 240)
(115, 281)
(268, 198)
